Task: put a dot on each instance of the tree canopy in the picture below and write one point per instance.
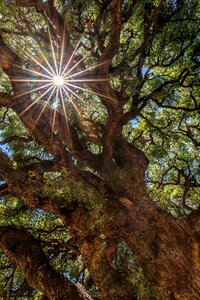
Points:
(99, 149)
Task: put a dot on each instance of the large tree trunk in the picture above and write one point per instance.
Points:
(86, 228)
(167, 248)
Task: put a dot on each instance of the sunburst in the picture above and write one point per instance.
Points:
(58, 82)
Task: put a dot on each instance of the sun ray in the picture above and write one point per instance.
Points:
(73, 67)
(36, 61)
(91, 92)
(71, 100)
(57, 51)
(35, 101)
(31, 91)
(54, 115)
(53, 125)
(39, 50)
(45, 105)
(31, 80)
(46, 60)
(54, 118)
(85, 70)
(71, 57)
(65, 116)
(86, 80)
(31, 71)
(52, 50)
(78, 63)
(63, 105)
(62, 51)
(72, 92)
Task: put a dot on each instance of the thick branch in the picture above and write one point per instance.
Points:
(49, 11)
(16, 138)
(4, 189)
(26, 252)
(114, 39)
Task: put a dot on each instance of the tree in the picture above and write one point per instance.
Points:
(99, 172)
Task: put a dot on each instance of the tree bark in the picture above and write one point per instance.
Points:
(26, 252)
(167, 248)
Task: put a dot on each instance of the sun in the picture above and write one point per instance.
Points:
(58, 80)
(54, 82)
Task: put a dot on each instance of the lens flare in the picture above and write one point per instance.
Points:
(52, 81)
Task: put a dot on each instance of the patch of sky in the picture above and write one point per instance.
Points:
(72, 279)
(4, 147)
(37, 213)
(198, 60)
(134, 123)
(173, 4)
(146, 70)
